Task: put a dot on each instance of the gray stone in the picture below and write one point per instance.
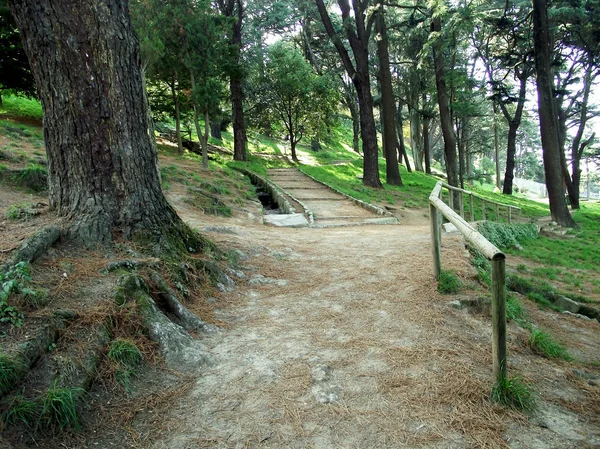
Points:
(577, 315)
(456, 304)
(236, 273)
(259, 279)
(566, 304)
(286, 220)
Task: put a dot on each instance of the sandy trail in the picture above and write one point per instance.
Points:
(356, 351)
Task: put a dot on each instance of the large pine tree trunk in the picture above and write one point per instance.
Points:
(237, 93)
(548, 116)
(102, 166)
(387, 103)
(426, 146)
(445, 114)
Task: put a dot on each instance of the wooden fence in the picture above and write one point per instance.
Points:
(437, 207)
(511, 211)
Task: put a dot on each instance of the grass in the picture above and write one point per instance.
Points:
(21, 106)
(543, 344)
(448, 283)
(513, 393)
(515, 310)
(9, 373)
(22, 411)
(506, 236)
(20, 211)
(59, 407)
(126, 358)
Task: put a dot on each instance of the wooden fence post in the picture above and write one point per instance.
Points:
(451, 199)
(483, 209)
(499, 318)
(461, 200)
(471, 208)
(436, 239)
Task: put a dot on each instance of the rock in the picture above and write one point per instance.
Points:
(566, 304)
(241, 255)
(220, 229)
(456, 304)
(577, 315)
(585, 375)
(259, 279)
(236, 273)
(286, 220)
(321, 373)
(449, 228)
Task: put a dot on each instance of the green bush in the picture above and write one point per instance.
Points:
(34, 177)
(506, 236)
(59, 407)
(542, 343)
(448, 283)
(513, 393)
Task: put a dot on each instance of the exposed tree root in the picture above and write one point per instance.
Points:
(178, 348)
(37, 345)
(34, 246)
(188, 320)
(132, 264)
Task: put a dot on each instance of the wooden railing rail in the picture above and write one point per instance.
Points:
(484, 202)
(496, 257)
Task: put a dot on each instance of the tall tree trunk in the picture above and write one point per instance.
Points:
(387, 102)
(102, 166)
(359, 42)
(201, 136)
(426, 145)
(400, 136)
(548, 116)
(460, 142)
(513, 125)
(237, 93)
(445, 115)
(205, 139)
(355, 126)
(175, 98)
(497, 147)
(215, 129)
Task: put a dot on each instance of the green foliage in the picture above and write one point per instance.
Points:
(14, 281)
(34, 177)
(21, 106)
(127, 357)
(21, 411)
(513, 393)
(448, 283)
(59, 407)
(515, 310)
(483, 266)
(9, 372)
(20, 211)
(506, 236)
(542, 343)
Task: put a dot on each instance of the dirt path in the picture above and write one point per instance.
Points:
(347, 344)
(329, 208)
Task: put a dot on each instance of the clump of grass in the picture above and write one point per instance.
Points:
(515, 310)
(9, 372)
(448, 283)
(513, 393)
(126, 357)
(59, 407)
(506, 236)
(522, 268)
(34, 177)
(20, 211)
(22, 411)
(542, 343)
(483, 266)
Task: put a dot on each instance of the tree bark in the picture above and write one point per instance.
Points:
(400, 135)
(548, 116)
(445, 115)
(358, 71)
(513, 125)
(102, 166)
(387, 102)
(426, 145)
(175, 98)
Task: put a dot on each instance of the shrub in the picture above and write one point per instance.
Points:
(506, 236)
(513, 393)
(542, 343)
(448, 283)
